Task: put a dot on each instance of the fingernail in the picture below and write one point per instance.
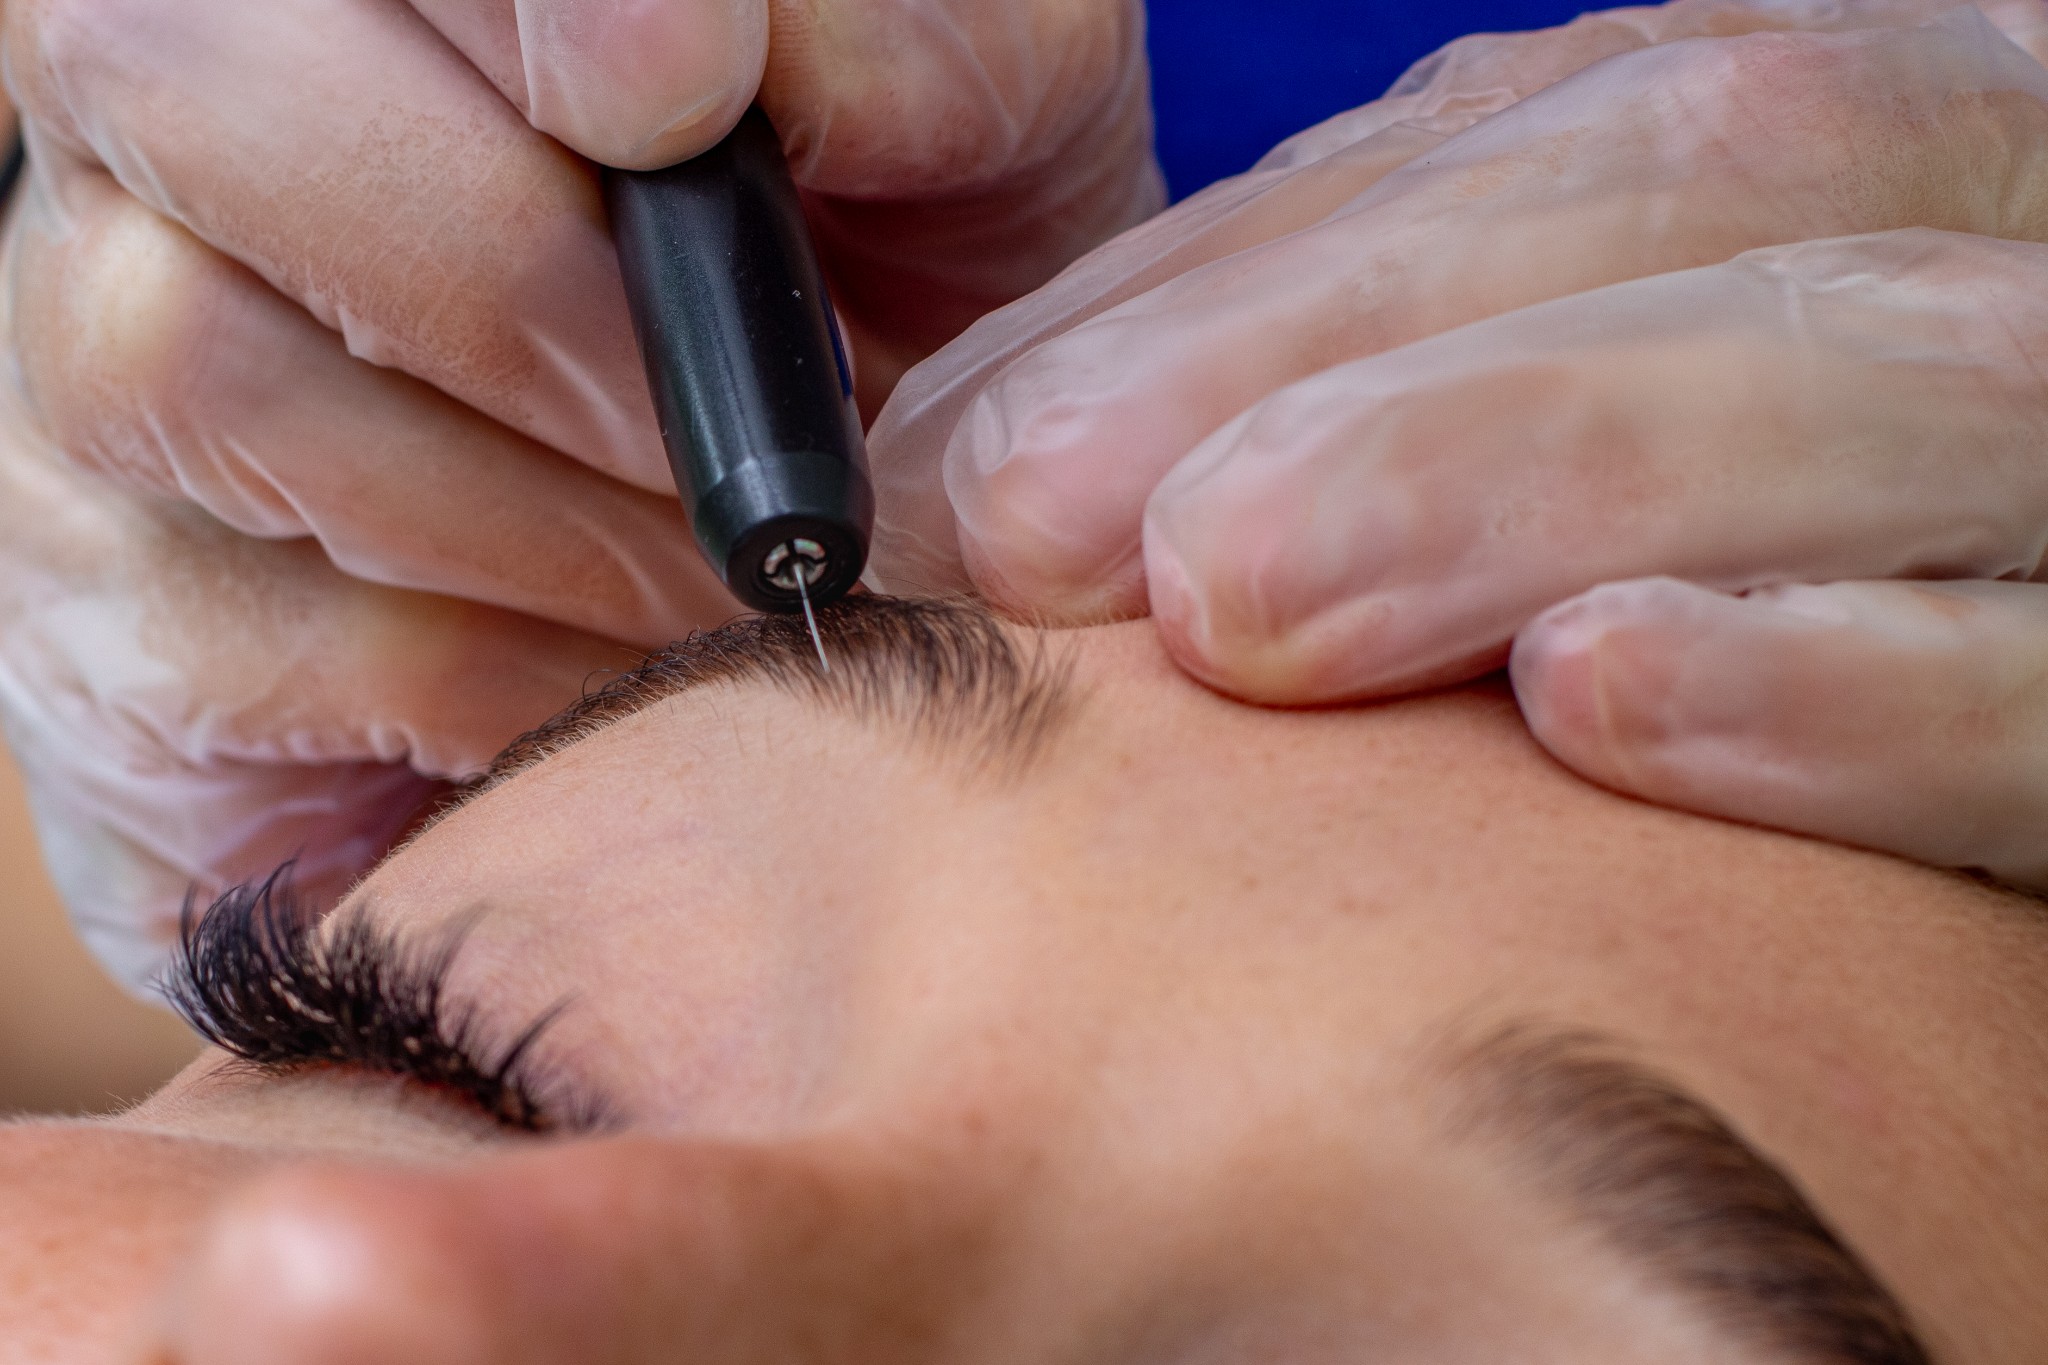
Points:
(1050, 512)
(1177, 608)
(1214, 602)
(1289, 598)
(639, 86)
(1597, 688)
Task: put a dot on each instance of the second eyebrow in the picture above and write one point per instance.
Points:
(1672, 1185)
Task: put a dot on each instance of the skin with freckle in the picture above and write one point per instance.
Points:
(1120, 1053)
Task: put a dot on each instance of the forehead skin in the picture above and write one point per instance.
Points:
(814, 918)
(1192, 933)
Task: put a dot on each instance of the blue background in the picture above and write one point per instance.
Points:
(1233, 77)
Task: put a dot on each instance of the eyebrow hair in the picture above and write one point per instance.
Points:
(266, 980)
(946, 670)
(1673, 1186)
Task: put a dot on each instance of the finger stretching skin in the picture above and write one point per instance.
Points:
(634, 83)
(1655, 161)
(1306, 179)
(917, 546)
(156, 362)
(1863, 408)
(1301, 182)
(1908, 717)
(343, 151)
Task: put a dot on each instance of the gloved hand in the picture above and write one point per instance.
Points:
(1762, 308)
(326, 460)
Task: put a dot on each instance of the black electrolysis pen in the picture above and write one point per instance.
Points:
(750, 379)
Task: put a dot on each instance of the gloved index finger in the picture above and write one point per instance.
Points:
(1299, 183)
(1908, 717)
(1660, 160)
(638, 85)
(1863, 408)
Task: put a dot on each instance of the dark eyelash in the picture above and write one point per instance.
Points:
(256, 976)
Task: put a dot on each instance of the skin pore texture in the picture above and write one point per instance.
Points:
(1009, 997)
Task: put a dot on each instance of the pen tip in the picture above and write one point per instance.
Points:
(803, 592)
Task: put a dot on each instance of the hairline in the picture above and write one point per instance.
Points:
(945, 671)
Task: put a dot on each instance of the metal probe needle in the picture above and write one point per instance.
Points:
(803, 591)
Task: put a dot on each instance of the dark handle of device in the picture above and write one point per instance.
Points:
(750, 380)
(12, 164)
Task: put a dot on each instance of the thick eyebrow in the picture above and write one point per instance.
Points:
(261, 977)
(945, 670)
(1674, 1187)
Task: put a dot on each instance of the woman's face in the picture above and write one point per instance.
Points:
(1007, 997)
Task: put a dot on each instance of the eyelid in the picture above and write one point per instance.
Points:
(285, 992)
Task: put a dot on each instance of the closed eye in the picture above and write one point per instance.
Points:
(267, 982)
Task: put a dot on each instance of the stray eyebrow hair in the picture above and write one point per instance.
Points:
(260, 977)
(1673, 1186)
(946, 669)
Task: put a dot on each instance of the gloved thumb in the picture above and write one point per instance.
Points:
(633, 83)
(1907, 717)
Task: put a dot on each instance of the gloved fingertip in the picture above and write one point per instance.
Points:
(641, 86)
(1248, 665)
(664, 136)
(1017, 588)
(1177, 611)
(1598, 679)
(641, 140)
(1556, 675)
(1259, 606)
(1045, 530)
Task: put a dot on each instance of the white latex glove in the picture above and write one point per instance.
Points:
(1910, 717)
(326, 460)
(1757, 308)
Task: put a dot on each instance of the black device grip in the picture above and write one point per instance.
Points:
(743, 355)
(11, 167)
